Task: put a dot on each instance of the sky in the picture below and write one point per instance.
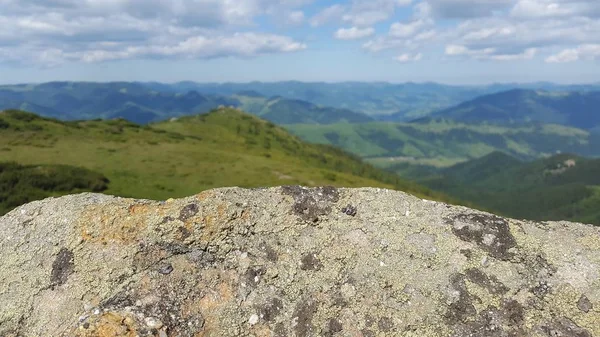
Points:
(447, 41)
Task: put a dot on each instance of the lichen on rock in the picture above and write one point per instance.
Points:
(292, 261)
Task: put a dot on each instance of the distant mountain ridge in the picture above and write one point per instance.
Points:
(396, 102)
(518, 106)
(141, 104)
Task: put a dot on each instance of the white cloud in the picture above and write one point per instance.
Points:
(407, 57)
(537, 9)
(531, 9)
(296, 17)
(466, 8)
(514, 38)
(527, 54)
(327, 15)
(489, 53)
(411, 34)
(587, 51)
(238, 44)
(353, 33)
(362, 13)
(404, 30)
(54, 31)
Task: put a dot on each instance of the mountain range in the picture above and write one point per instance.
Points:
(144, 102)
(580, 109)
(384, 101)
(141, 104)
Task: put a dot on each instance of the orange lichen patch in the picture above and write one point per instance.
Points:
(139, 209)
(216, 298)
(114, 224)
(190, 308)
(262, 331)
(209, 307)
(221, 210)
(202, 196)
(109, 324)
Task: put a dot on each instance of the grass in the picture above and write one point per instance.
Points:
(188, 155)
(448, 142)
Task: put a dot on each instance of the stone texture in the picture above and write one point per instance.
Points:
(292, 261)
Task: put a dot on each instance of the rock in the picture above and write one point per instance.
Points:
(253, 319)
(287, 262)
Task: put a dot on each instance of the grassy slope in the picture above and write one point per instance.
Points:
(447, 143)
(544, 189)
(183, 157)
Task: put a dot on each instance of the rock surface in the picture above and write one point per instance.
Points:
(292, 262)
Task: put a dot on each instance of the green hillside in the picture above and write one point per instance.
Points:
(20, 184)
(576, 109)
(560, 187)
(185, 156)
(444, 143)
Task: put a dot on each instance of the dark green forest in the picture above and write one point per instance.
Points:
(20, 184)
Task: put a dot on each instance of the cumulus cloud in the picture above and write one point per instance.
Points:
(490, 53)
(407, 57)
(515, 37)
(360, 13)
(528, 9)
(353, 33)
(460, 9)
(55, 31)
(295, 17)
(49, 31)
(410, 34)
(403, 30)
(587, 51)
(238, 44)
(327, 15)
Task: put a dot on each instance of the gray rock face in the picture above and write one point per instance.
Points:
(292, 262)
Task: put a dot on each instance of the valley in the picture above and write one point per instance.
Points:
(184, 156)
(160, 141)
(556, 188)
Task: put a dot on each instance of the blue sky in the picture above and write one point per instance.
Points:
(449, 41)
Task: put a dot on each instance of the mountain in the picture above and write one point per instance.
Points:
(397, 102)
(560, 187)
(576, 109)
(184, 156)
(281, 110)
(443, 143)
(403, 102)
(141, 104)
(83, 100)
